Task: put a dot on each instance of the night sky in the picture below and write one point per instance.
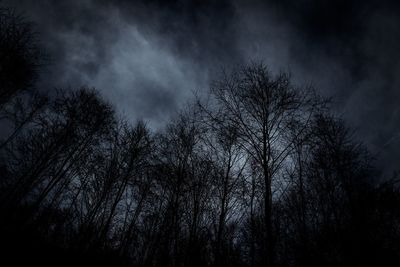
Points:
(148, 57)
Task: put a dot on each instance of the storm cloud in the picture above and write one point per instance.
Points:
(147, 57)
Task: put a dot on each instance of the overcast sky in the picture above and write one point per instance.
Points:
(147, 57)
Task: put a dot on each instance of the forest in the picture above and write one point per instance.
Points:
(260, 172)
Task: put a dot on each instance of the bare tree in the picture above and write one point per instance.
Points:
(20, 56)
(263, 108)
(229, 163)
(44, 157)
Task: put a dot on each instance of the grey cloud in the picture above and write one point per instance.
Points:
(147, 56)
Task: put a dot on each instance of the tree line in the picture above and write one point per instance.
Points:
(258, 173)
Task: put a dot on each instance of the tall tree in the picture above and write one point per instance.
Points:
(263, 108)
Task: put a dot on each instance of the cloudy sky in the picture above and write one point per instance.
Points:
(149, 56)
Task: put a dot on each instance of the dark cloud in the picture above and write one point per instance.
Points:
(148, 56)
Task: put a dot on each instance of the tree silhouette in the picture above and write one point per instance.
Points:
(20, 56)
(263, 174)
(262, 109)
